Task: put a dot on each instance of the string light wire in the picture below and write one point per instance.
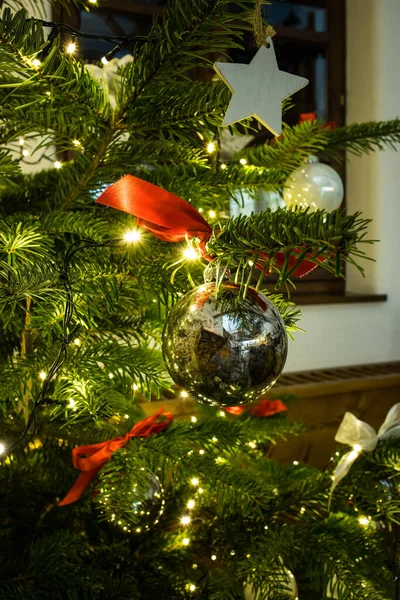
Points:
(68, 335)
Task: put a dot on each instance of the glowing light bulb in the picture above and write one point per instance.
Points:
(77, 143)
(201, 451)
(185, 520)
(132, 236)
(243, 161)
(135, 387)
(223, 166)
(92, 1)
(57, 164)
(186, 541)
(201, 210)
(25, 152)
(357, 448)
(2, 448)
(35, 62)
(302, 510)
(363, 520)
(42, 375)
(111, 375)
(210, 147)
(193, 419)
(194, 481)
(200, 490)
(71, 403)
(213, 557)
(191, 504)
(212, 214)
(21, 141)
(104, 61)
(184, 394)
(192, 587)
(191, 253)
(77, 342)
(295, 462)
(221, 413)
(71, 48)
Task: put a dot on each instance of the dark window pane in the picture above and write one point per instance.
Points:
(297, 15)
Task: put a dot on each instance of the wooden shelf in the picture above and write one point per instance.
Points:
(347, 298)
(305, 36)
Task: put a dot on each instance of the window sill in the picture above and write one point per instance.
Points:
(347, 298)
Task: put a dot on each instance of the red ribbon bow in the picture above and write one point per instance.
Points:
(90, 459)
(266, 408)
(165, 215)
(171, 218)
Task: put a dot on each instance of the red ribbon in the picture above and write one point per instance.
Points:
(312, 116)
(165, 215)
(171, 218)
(266, 408)
(90, 459)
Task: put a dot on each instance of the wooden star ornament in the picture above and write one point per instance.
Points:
(258, 89)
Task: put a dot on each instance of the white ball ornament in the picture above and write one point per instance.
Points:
(314, 185)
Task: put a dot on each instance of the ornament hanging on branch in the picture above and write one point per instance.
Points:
(258, 88)
(224, 350)
(314, 185)
(128, 510)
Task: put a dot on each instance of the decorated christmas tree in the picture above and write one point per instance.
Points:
(123, 279)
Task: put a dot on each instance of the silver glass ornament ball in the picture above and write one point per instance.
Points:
(314, 185)
(224, 351)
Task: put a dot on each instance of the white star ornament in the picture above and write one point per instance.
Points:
(258, 89)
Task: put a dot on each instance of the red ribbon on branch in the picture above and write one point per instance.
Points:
(90, 459)
(312, 116)
(165, 215)
(266, 408)
(171, 218)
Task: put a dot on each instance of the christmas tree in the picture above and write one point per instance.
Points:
(162, 507)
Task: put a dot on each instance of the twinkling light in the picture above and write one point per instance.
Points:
(221, 413)
(2, 448)
(211, 147)
(71, 403)
(194, 481)
(25, 152)
(250, 263)
(185, 520)
(200, 490)
(132, 236)
(192, 587)
(35, 62)
(302, 510)
(71, 48)
(21, 141)
(104, 61)
(42, 375)
(193, 419)
(57, 164)
(243, 161)
(223, 166)
(194, 566)
(212, 214)
(92, 1)
(201, 210)
(295, 462)
(184, 394)
(357, 448)
(363, 520)
(201, 452)
(111, 375)
(191, 253)
(214, 439)
(77, 342)
(213, 557)
(186, 541)
(191, 504)
(77, 143)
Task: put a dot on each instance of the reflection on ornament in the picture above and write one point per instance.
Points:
(289, 583)
(222, 355)
(132, 510)
(314, 185)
